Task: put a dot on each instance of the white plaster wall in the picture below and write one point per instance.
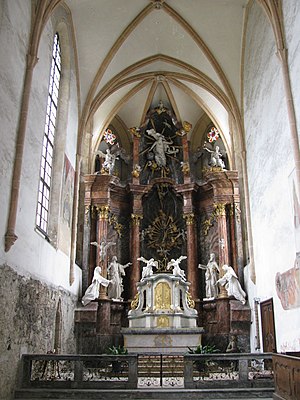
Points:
(269, 162)
(14, 36)
(291, 13)
(31, 255)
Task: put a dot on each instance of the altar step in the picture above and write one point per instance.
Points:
(144, 394)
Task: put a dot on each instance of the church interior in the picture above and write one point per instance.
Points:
(150, 180)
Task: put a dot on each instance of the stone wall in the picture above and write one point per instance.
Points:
(270, 161)
(28, 322)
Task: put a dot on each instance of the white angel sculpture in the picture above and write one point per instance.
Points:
(110, 157)
(102, 247)
(147, 270)
(92, 292)
(177, 271)
(232, 284)
(215, 157)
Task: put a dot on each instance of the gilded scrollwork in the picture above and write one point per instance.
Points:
(116, 225)
(185, 167)
(219, 210)
(190, 301)
(135, 302)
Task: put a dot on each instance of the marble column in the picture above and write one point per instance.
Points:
(102, 234)
(135, 252)
(220, 213)
(87, 231)
(135, 156)
(191, 247)
(185, 150)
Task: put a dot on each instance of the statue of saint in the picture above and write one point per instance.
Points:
(211, 277)
(232, 345)
(92, 292)
(232, 284)
(147, 270)
(177, 271)
(116, 272)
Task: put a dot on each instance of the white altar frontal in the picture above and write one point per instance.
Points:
(162, 318)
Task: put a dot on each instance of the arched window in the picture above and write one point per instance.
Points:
(42, 214)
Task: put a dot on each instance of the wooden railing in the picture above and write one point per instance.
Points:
(133, 371)
(286, 377)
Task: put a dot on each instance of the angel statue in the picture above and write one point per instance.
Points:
(215, 157)
(232, 284)
(111, 156)
(92, 292)
(161, 147)
(147, 270)
(177, 271)
(102, 247)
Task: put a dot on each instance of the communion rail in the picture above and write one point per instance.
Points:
(134, 371)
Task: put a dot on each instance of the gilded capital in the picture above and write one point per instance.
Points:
(103, 212)
(189, 218)
(219, 209)
(87, 213)
(136, 218)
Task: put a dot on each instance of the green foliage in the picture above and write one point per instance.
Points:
(120, 350)
(207, 349)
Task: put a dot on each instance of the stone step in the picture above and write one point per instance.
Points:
(144, 394)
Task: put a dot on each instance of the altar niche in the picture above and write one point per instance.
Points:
(163, 233)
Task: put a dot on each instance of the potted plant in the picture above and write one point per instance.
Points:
(207, 349)
(117, 351)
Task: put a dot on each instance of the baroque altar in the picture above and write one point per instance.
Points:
(159, 199)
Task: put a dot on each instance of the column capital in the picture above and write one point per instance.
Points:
(219, 209)
(136, 218)
(189, 218)
(103, 212)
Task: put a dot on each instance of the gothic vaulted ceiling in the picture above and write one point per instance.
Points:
(133, 53)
